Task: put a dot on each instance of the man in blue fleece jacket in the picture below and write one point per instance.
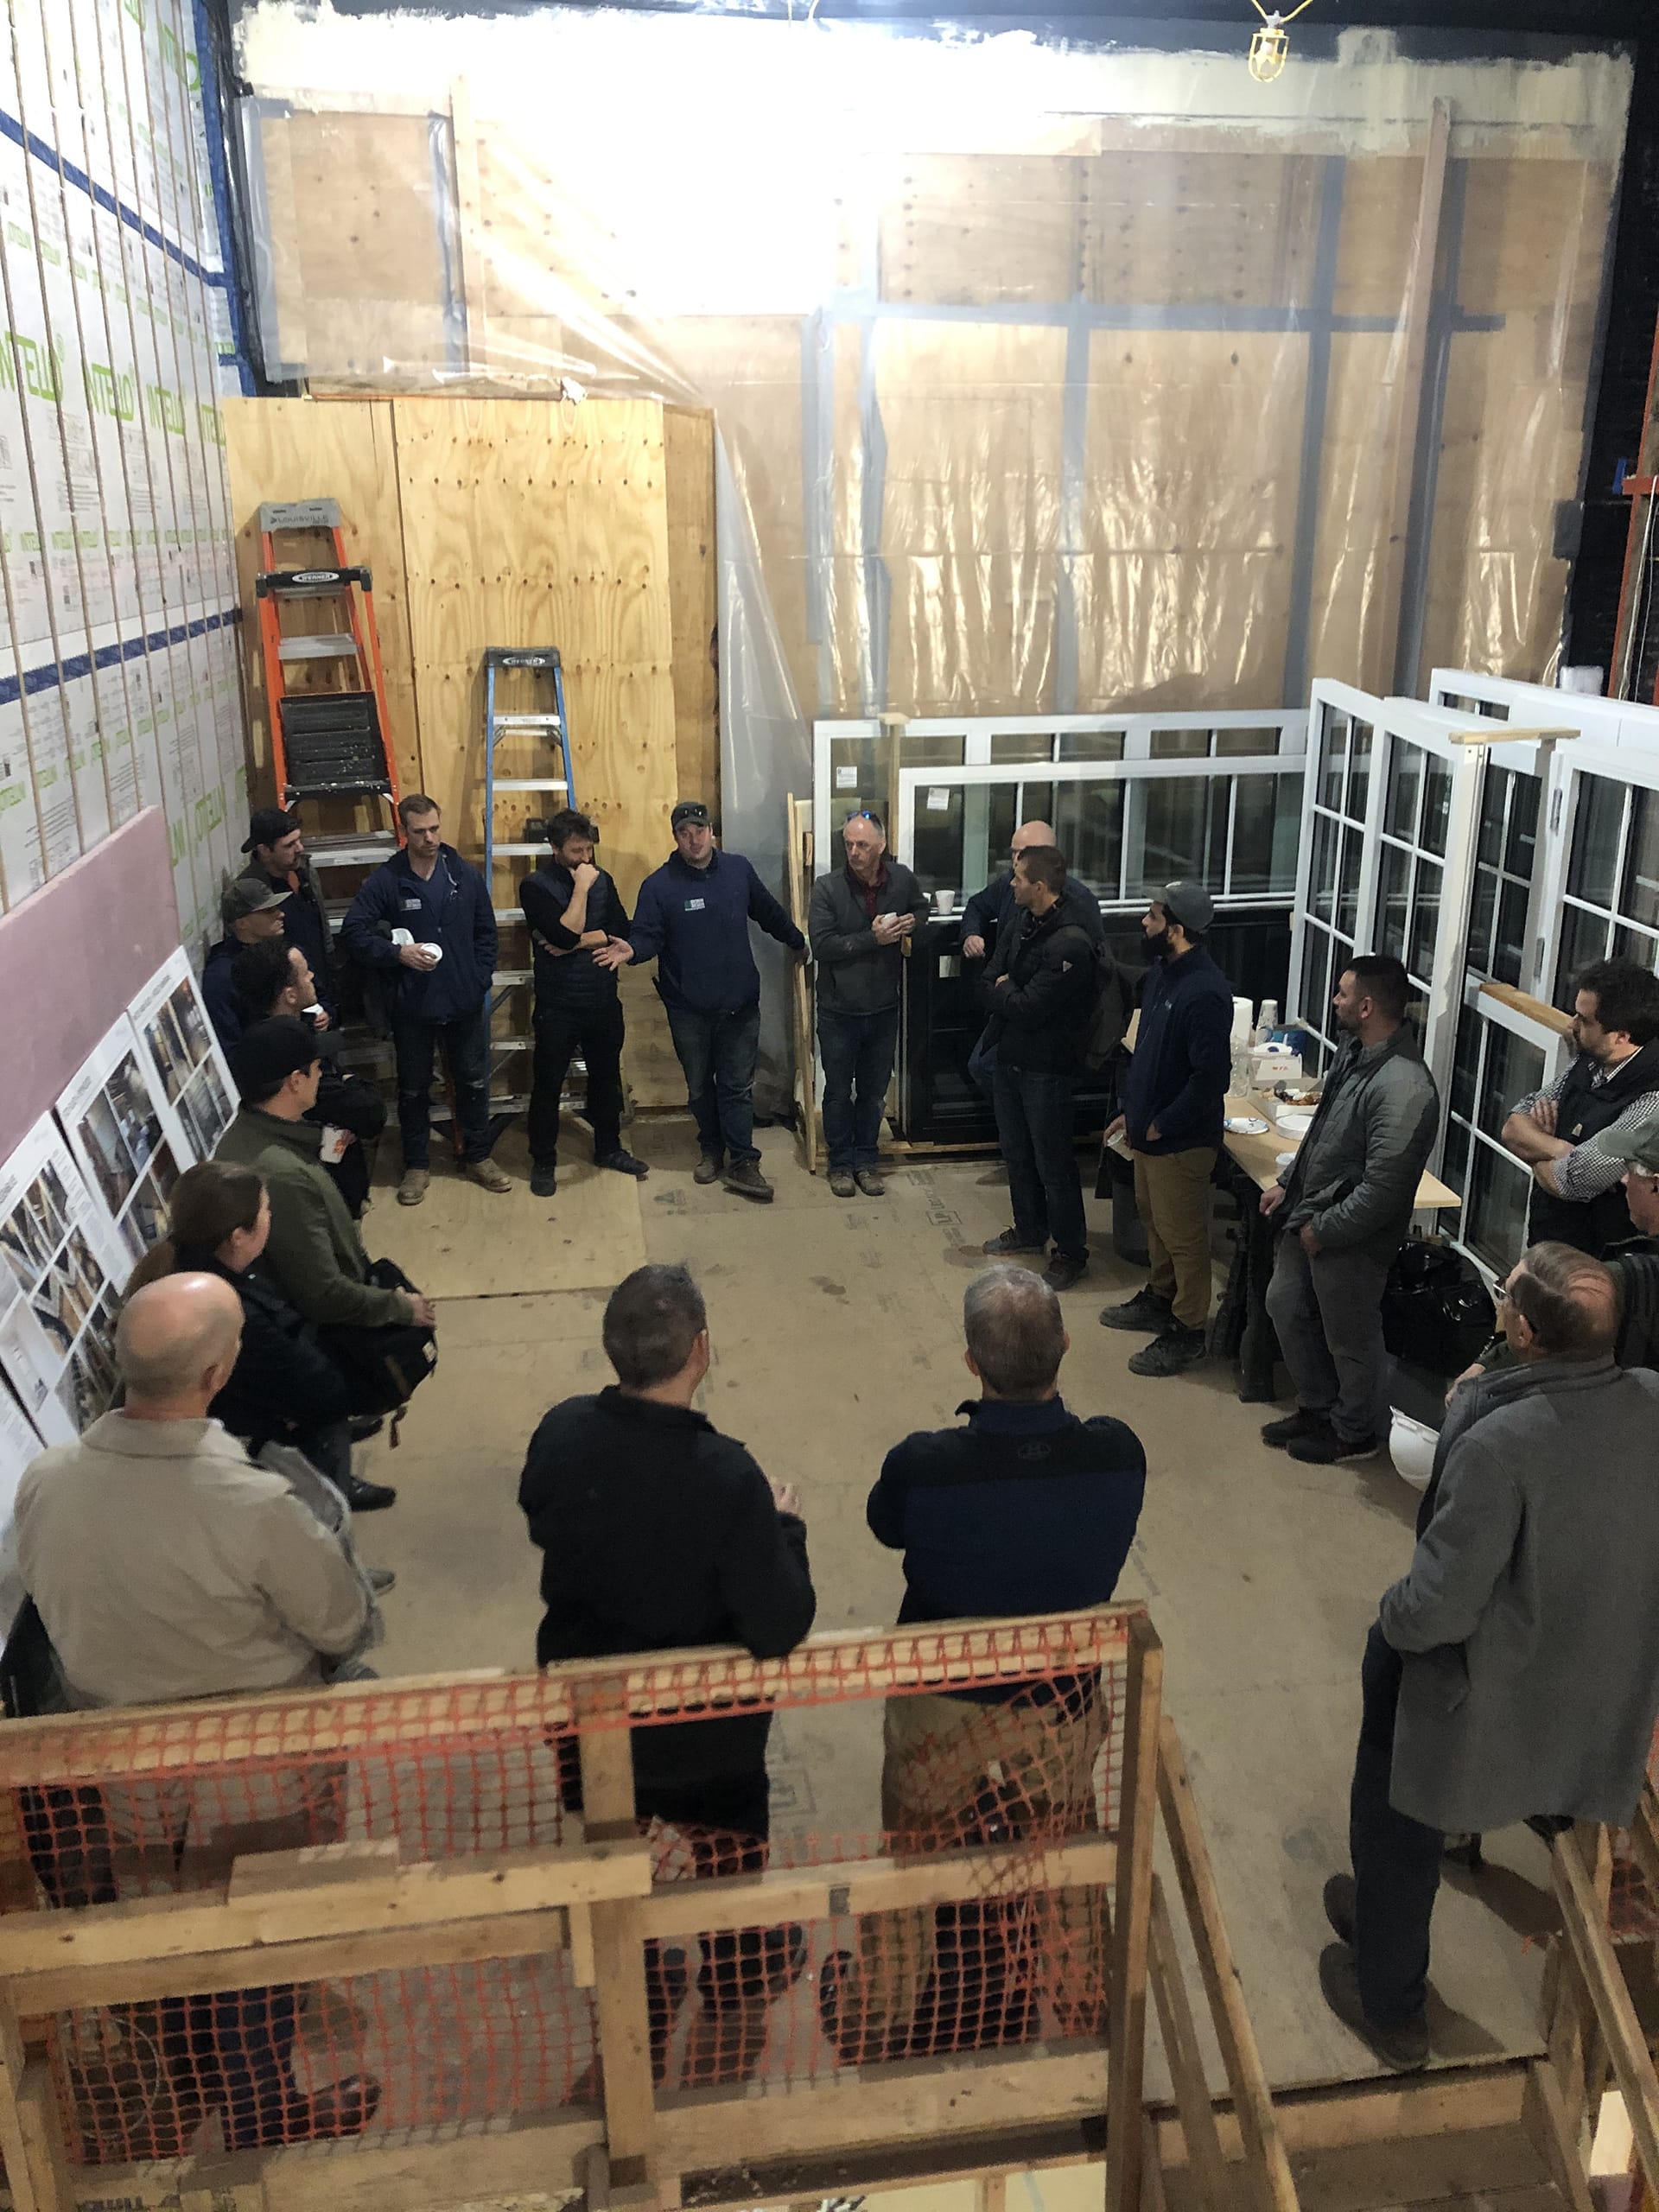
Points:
(692, 917)
(1174, 1104)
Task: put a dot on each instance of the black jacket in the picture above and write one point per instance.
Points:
(1183, 1057)
(659, 1532)
(987, 910)
(855, 974)
(305, 921)
(567, 975)
(1037, 1018)
(283, 1383)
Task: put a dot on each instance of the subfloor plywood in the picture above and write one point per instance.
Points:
(836, 1330)
(468, 1242)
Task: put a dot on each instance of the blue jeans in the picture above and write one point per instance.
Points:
(856, 1050)
(716, 1051)
(1034, 1126)
(466, 1048)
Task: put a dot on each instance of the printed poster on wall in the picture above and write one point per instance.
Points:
(193, 1076)
(125, 1141)
(62, 1269)
(19, 1447)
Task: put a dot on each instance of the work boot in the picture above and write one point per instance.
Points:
(1065, 1269)
(544, 1181)
(366, 1497)
(744, 1176)
(623, 1163)
(1404, 2047)
(414, 1186)
(1339, 1907)
(1145, 1310)
(1278, 1434)
(868, 1180)
(708, 1168)
(842, 1184)
(486, 1175)
(1008, 1242)
(1173, 1353)
(1326, 1449)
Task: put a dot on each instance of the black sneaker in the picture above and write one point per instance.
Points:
(623, 1163)
(744, 1176)
(1173, 1353)
(1004, 1245)
(1145, 1310)
(543, 1182)
(1279, 1433)
(707, 1169)
(1065, 1269)
(1325, 1448)
(1339, 1907)
(1405, 2047)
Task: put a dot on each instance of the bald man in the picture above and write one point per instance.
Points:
(985, 912)
(163, 1562)
(1514, 1669)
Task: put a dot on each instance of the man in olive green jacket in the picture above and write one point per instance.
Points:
(315, 1252)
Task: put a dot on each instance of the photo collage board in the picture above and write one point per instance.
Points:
(85, 1196)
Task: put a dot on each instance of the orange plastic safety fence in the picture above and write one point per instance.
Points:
(1009, 1740)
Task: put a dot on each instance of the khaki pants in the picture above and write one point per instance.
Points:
(967, 1976)
(1171, 1193)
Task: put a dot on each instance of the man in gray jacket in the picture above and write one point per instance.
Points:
(859, 922)
(1514, 1670)
(1347, 1200)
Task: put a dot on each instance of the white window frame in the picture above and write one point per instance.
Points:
(1556, 1051)
(1558, 825)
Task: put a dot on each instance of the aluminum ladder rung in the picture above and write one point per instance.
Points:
(527, 721)
(334, 646)
(517, 851)
(530, 784)
(366, 851)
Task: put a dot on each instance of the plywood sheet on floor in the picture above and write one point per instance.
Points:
(469, 1242)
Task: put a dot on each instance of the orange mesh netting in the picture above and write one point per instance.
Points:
(1007, 1737)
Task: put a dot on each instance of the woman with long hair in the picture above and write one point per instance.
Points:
(284, 1388)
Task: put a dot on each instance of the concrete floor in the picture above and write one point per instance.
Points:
(837, 1329)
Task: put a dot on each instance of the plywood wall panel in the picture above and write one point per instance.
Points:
(1162, 227)
(693, 599)
(1351, 526)
(1380, 194)
(973, 229)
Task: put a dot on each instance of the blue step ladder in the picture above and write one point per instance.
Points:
(543, 665)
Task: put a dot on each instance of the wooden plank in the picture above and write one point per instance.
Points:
(693, 600)
(1414, 319)
(800, 857)
(469, 213)
(414, 1897)
(1259, 1155)
(296, 449)
(394, 1950)
(620, 1995)
(43, 2145)
(31, 2189)
(1131, 1915)
(1537, 1010)
(829, 1666)
(1185, 2058)
(1586, 1931)
(863, 1885)
(1252, 2100)
(1544, 2116)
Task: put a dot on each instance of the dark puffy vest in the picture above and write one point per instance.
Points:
(1581, 1112)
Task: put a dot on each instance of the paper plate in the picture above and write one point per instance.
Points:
(1246, 1125)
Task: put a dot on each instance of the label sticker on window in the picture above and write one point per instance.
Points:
(938, 798)
(847, 779)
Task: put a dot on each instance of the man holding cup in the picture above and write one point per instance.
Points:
(859, 923)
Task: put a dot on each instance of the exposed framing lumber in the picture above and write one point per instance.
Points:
(469, 207)
(1131, 1912)
(800, 859)
(1585, 1921)
(1185, 2058)
(1252, 2103)
(620, 1994)
(1413, 326)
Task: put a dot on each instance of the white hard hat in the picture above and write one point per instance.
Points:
(1412, 1447)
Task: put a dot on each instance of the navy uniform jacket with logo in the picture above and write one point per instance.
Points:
(694, 922)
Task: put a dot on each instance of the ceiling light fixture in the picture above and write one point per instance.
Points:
(1269, 47)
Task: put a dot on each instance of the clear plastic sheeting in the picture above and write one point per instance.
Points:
(1049, 379)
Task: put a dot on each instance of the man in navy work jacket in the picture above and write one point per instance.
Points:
(574, 910)
(250, 912)
(425, 918)
(1174, 1104)
(1027, 1510)
(693, 918)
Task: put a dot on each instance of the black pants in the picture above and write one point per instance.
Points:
(1396, 1859)
(1035, 1125)
(559, 1031)
(466, 1047)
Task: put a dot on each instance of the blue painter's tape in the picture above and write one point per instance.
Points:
(60, 164)
(53, 673)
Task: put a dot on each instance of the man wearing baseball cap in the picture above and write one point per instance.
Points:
(250, 912)
(1174, 1104)
(693, 918)
(278, 860)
